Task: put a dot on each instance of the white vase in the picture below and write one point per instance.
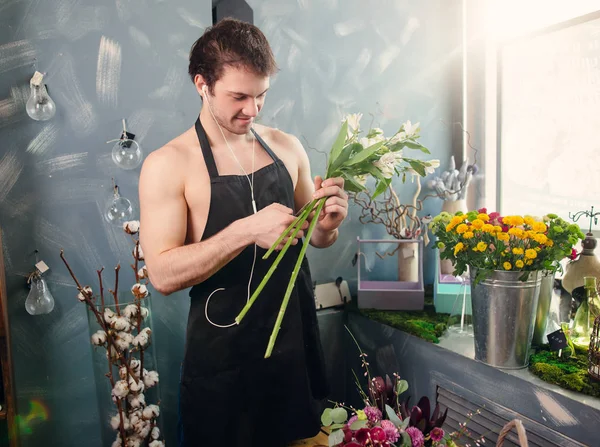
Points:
(408, 262)
(452, 207)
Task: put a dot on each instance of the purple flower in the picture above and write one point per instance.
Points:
(416, 436)
(391, 431)
(352, 420)
(437, 434)
(373, 414)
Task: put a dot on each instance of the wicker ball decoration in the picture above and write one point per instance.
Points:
(594, 351)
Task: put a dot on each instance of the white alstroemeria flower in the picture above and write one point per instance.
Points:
(139, 291)
(353, 122)
(143, 272)
(155, 433)
(99, 338)
(151, 411)
(387, 163)
(130, 311)
(136, 387)
(156, 443)
(115, 422)
(109, 315)
(123, 340)
(361, 179)
(137, 401)
(410, 129)
(138, 252)
(367, 142)
(121, 324)
(400, 136)
(132, 226)
(85, 293)
(433, 164)
(121, 389)
(150, 378)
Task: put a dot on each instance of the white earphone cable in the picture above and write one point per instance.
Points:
(251, 183)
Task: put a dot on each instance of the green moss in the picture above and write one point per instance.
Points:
(567, 372)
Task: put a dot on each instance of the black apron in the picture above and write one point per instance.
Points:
(230, 394)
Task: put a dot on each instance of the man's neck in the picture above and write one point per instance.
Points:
(215, 138)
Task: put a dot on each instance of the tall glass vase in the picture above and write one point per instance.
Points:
(127, 386)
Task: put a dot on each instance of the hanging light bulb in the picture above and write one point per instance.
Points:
(126, 153)
(40, 106)
(39, 300)
(119, 209)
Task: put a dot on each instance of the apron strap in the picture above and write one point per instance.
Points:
(206, 150)
(265, 146)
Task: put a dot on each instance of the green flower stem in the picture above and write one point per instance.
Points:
(305, 212)
(292, 282)
(273, 267)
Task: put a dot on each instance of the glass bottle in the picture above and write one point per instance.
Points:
(586, 314)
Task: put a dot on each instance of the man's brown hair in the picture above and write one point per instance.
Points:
(234, 43)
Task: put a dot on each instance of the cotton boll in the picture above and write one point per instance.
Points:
(143, 338)
(134, 441)
(150, 378)
(109, 315)
(136, 400)
(139, 291)
(121, 389)
(144, 312)
(138, 253)
(135, 417)
(117, 442)
(135, 366)
(131, 227)
(123, 340)
(155, 433)
(114, 354)
(130, 311)
(86, 292)
(121, 324)
(99, 338)
(142, 428)
(156, 443)
(136, 387)
(151, 411)
(143, 272)
(115, 422)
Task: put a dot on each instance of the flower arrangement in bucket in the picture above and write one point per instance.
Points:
(489, 242)
(125, 337)
(355, 158)
(386, 421)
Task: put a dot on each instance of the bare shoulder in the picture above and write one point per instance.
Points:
(281, 140)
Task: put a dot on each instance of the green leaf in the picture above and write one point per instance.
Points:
(343, 157)
(338, 145)
(381, 187)
(339, 415)
(337, 426)
(326, 419)
(405, 423)
(415, 145)
(402, 387)
(364, 154)
(350, 184)
(357, 425)
(417, 167)
(393, 417)
(406, 440)
(336, 437)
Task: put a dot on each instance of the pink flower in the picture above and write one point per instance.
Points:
(390, 429)
(416, 436)
(573, 254)
(373, 414)
(352, 420)
(437, 434)
(482, 211)
(495, 216)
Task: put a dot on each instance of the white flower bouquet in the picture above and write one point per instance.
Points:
(354, 158)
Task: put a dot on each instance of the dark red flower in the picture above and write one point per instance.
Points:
(573, 254)
(363, 435)
(482, 211)
(347, 434)
(352, 444)
(378, 434)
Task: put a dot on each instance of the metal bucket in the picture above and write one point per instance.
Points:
(504, 310)
(543, 309)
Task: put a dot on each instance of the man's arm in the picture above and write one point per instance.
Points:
(172, 265)
(335, 210)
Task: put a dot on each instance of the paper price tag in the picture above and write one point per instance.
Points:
(42, 267)
(557, 340)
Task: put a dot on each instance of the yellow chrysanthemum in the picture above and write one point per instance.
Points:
(462, 228)
(487, 228)
(538, 249)
(517, 220)
(468, 235)
(507, 220)
(484, 217)
(456, 220)
(549, 242)
(507, 265)
(503, 237)
(458, 247)
(530, 253)
(529, 262)
(497, 228)
(518, 251)
(529, 220)
(449, 227)
(540, 238)
(519, 264)
(482, 246)
(540, 227)
(477, 224)
(517, 232)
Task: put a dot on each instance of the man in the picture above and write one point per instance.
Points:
(212, 201)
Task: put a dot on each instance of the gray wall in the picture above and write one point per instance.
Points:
(395, 59)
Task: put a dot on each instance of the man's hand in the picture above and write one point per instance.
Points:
(266, 226)
(336, 207)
